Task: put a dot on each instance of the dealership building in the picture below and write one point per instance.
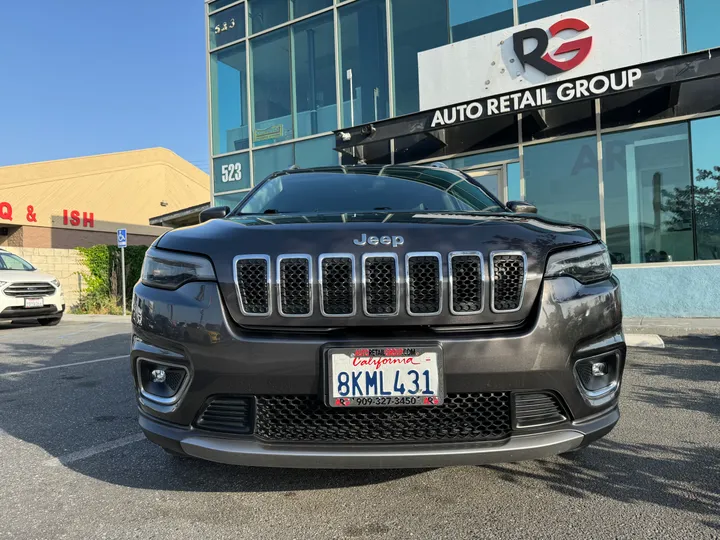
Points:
(604, 113)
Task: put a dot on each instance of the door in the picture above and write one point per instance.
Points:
(492, 179)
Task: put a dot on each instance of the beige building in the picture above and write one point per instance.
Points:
(82, 201)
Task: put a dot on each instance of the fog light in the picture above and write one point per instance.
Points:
(598, 369)
(161, 382)
(159, 375)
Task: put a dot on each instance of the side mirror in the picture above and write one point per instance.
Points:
(521, 207)
(215, 212)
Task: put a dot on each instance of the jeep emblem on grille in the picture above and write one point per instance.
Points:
(393, 241)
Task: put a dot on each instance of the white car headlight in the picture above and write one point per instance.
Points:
(170, 270)
(55, 283)
(586, 264)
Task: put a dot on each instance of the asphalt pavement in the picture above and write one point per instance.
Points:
(73, 463)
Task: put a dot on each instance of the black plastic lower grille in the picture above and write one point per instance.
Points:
(252, 282)
(424, 285)
(463, 417)
(227, 414)
(508, 281)
(338, 291)
(537, 409)
(295, 286)
(467, 285)
(381, 285)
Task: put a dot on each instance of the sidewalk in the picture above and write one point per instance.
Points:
(70, 317)
(672, 327)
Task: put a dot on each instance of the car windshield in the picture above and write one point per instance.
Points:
(388, 189)
(8, 261)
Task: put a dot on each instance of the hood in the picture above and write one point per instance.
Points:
(16, 276)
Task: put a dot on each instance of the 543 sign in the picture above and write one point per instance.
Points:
(232, 172)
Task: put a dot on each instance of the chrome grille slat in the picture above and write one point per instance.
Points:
(466, 282)
(252, 284)
(423, 282)
(508, 274)
(34, 289)
(294, 282)
(381, 283)
(337, 284)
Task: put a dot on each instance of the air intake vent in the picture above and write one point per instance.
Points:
(294, 285)
(466, 283)
(227, 414)
(380, 278)
(508, 280)
(252, 280)
(538, 409)
(337, 287)
(424, 283)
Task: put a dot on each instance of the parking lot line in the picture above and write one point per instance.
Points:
(104, 447)
(63, 365)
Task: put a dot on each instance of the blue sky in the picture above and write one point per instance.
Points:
(82, 77)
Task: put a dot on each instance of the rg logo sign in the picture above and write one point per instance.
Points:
(541, 59)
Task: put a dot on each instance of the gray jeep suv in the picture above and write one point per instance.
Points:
(368, 316)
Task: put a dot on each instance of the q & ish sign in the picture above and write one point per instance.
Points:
(72, 218)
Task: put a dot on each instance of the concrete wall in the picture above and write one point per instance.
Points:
(64, 264)
(682, 290)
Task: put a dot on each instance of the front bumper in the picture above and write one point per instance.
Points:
(190, 328)
(12, 307)
(248, 451)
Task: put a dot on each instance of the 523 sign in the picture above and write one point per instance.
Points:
(232, 172)
(224, 27)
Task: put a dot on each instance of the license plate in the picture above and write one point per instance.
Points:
(385, 377)
(33, 302)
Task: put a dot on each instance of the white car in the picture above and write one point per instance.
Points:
(27, 293)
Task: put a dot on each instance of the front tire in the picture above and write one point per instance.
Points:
(50, 322)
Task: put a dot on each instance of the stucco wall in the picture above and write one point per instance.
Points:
(670, 290)
(64, 264)
(55, 237)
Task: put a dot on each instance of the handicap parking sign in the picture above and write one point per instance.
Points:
(122, 238)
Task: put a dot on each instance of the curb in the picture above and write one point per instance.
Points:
(71, 317)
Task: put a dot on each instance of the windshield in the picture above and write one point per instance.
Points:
(8, 261)
(397, 189)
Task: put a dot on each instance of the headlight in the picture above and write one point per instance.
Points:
(587, 264)
(2, 283)
(55, 283)
(169, 270)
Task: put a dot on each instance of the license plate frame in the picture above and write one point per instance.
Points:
(31, 303)
(408, 400)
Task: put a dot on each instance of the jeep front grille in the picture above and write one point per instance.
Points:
(30, 290)
(289, 284)
(508, 273)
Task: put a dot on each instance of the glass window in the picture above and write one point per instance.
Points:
(272, 160)
(316, 152)
(230, 199)
(417, 25)
(227, 26)
(315, 99)
(271, 87)
(645, 171)
(228, 90)
(264, 14)
(514, 192)
(530, 10)
(8, 261)
(397, 189)
(304, 7)
(470, 18)
(561, 179)
(218, 4)
(706, 165)
(701, 24)
(363, 62)
(483, 159)
(231, 173)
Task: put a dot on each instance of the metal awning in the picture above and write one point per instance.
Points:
(489, 116)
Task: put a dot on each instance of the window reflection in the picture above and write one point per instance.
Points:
(470, 18)
(561, 179)
(647, 181)
(363, 46)
(304, 7)
(228, 83)
(314, 50)
(227, 26)
(706, 165)
(530, 10)
(272, 160)
(271, 87)
(264, 14)
(316, 152)
(701, 18)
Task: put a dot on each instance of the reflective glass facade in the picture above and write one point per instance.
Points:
(283, 74)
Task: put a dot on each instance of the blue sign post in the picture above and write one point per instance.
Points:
(122, 244)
